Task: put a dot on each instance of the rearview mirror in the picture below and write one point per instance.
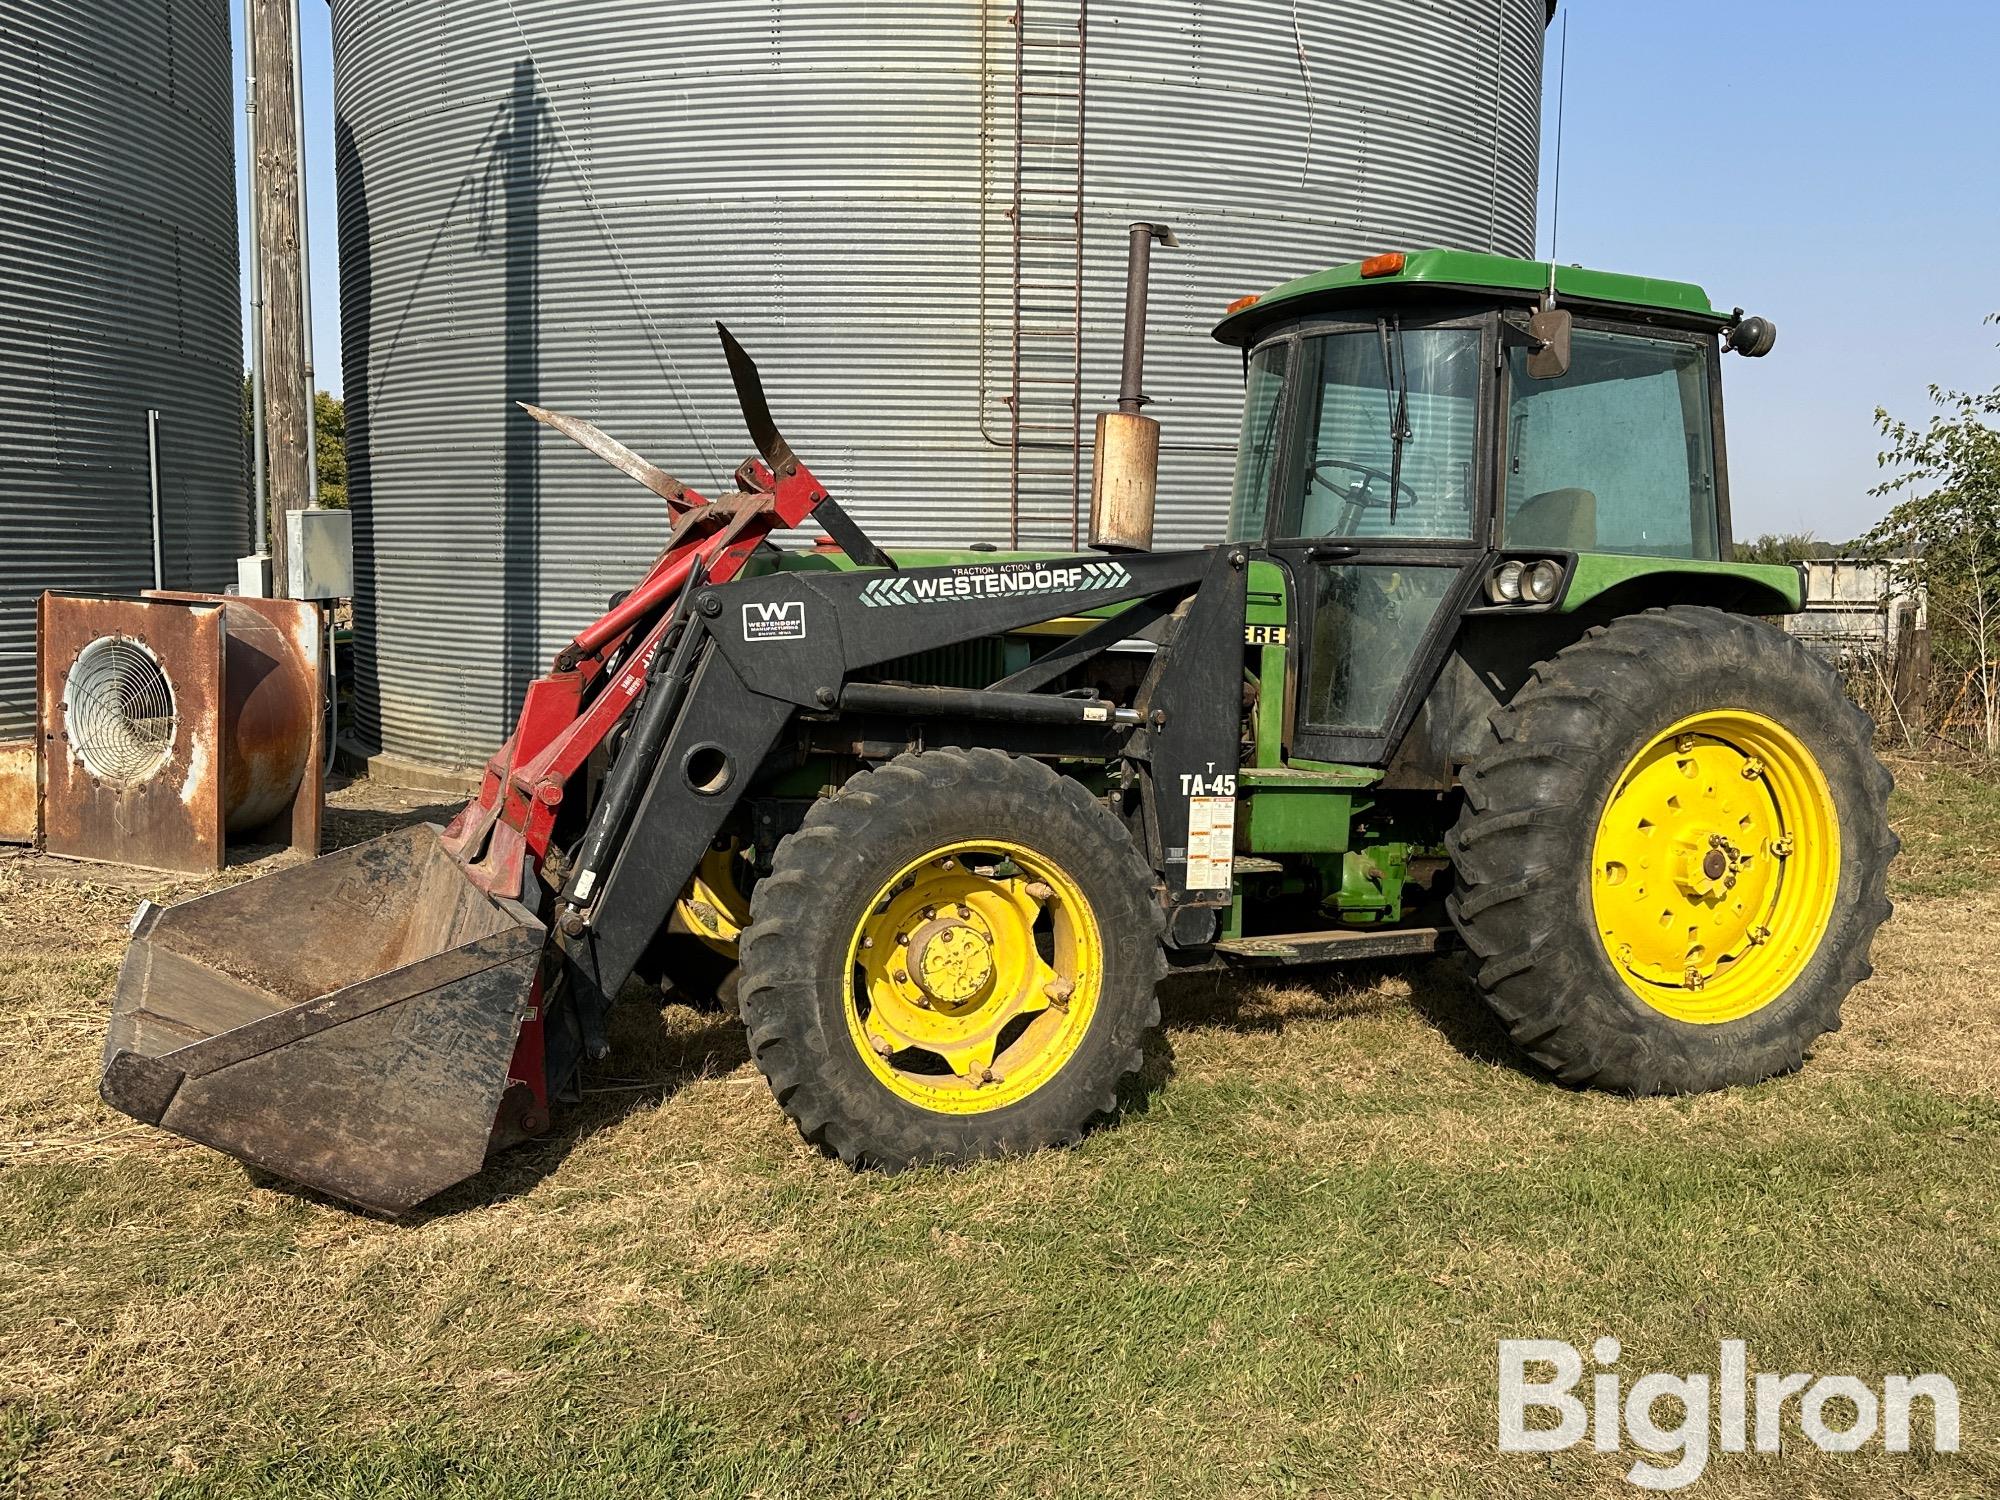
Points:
(1550, 329)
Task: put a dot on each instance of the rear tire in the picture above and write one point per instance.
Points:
(898, 968)
(1651, 766)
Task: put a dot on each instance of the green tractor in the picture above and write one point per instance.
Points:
(1499, 665)
(1509, 604)
(1473, 663)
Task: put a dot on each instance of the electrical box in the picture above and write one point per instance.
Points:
(319, 554)
(253, 576)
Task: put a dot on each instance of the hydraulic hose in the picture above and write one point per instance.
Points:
(666, 687)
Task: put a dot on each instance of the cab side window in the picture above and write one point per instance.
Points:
(1618, 455)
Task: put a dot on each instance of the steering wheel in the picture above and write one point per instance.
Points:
(1361, 496)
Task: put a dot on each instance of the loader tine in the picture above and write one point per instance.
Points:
(756, 410)
(593, 438)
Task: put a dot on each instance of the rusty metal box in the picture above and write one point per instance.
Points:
(169, 721)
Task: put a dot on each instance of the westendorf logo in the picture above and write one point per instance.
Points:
(783, 621)
(993, 583)
(1729, 1408)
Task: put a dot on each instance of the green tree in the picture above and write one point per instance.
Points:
(1784, 547)
(330, 446)
(249, 437)
(1944, 533)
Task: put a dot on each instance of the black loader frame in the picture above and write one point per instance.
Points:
(767, 653)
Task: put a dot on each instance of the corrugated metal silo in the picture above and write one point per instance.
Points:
(118, 295)
(551, 202)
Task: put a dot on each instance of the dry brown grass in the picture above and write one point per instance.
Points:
(1282, 1274)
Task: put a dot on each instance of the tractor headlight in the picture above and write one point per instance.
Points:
(1518, 582)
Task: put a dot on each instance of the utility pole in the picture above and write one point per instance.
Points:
(277, 222)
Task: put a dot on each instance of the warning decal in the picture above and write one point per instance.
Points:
(1211, 843)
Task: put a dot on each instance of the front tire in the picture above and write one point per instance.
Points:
(1671, 862)
(955, 957)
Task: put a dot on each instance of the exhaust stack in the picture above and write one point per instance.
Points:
(1126, 472)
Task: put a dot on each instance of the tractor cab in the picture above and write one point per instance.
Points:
(1438, 432)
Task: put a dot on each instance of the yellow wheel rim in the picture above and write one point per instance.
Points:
(1715, 866)
(973, 976)
(713, 906)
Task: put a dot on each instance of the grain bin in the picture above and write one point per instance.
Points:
(551, 201)
(118, 299)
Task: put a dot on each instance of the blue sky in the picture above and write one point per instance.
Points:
(1828, 165)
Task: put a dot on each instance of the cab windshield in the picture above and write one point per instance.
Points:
(1382, 444)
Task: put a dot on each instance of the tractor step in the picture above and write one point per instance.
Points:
(1323, 947)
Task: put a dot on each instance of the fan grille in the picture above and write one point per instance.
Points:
(119, 710)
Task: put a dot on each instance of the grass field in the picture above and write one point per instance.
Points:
(1285, 1274)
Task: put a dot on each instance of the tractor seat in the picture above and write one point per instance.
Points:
(1564, 520)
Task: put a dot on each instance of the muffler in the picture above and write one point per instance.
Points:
(1125, 467)
(346, 1024)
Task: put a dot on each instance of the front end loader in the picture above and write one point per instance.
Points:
(1473, 667)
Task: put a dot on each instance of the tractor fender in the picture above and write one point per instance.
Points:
(1605, 585)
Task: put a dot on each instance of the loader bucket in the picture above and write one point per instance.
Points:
(346, 1024)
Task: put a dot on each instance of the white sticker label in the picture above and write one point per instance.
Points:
(782, 621)
(1211, 843)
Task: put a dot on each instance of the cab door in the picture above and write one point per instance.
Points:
(1380, 508)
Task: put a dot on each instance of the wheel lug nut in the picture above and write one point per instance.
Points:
(883, 1047)
(901, 976)
(868, 942)
(964, 912)
(947, 864)
(902, 940)
(930, 913)
(1684, 744)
